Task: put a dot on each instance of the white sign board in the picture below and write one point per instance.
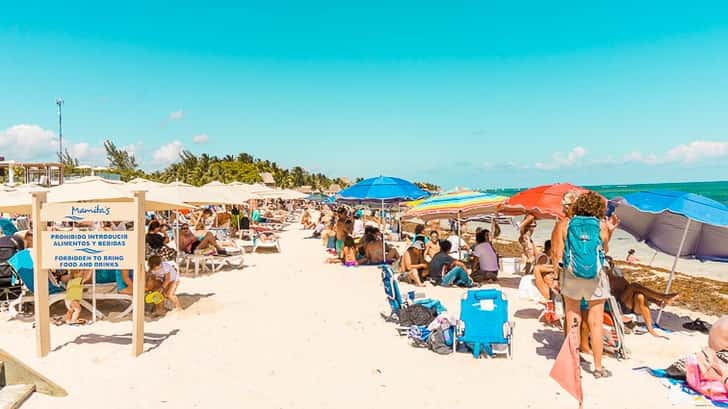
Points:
(89, 249)
(82, 212)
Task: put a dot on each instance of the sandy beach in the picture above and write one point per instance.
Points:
(288, 331)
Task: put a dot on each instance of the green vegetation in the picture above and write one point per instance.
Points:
(201, 169)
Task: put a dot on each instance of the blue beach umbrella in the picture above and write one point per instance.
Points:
(676, 223)
(382, 189)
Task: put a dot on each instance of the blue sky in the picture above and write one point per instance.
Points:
(472, 94)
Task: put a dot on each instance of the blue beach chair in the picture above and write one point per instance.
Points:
(484, 325)
(396, 302)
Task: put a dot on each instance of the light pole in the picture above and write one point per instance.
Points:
(59, 102)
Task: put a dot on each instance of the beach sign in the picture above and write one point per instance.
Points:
(96, 249)
(93, 249)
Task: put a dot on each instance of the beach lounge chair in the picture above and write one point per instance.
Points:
(483, 326)
(613, 334)
(22, 263)
(613, 330)
(267, 240)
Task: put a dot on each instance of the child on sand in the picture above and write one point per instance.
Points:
(168, 275)
(74, 293)
(349, 252)
(631, 258)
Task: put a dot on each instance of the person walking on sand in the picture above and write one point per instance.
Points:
(525, 238)
(579, 245)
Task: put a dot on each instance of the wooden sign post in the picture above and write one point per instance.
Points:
(137, 331)
(98, 249)
(40, 279)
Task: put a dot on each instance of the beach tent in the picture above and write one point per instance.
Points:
(382, 190)
(676, 223)
(542, 201)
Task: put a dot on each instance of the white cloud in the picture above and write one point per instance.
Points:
(697, 150)
(28, 142)
(559, 160)
(88, 154)
(686, 153)
(168, 153)
(200, 139)
(176, 115)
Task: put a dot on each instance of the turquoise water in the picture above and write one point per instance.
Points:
(715, 190)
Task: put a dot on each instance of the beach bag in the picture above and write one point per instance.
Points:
(583, 252)
(440, 341)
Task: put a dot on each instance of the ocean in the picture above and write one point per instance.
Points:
(717, 191)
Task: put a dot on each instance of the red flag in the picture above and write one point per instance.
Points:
(566, 370)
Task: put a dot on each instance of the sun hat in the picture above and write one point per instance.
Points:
(569, 198)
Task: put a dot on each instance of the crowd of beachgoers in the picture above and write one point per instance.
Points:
(556, 275)
(434, 257)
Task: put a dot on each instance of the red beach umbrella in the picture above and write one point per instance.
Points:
(542, 201)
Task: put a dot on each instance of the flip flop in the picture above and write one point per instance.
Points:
(602, 373)
(697, 325)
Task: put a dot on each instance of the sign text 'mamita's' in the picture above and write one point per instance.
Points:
(105, 210)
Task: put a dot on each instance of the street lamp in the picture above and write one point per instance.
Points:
(59, 102)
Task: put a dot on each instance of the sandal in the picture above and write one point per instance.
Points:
(602, 373)
(697, 325)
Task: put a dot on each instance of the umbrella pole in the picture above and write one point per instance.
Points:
(674, 265)
(652, 260)
(384, 235)
(93, 295)
(459, 256)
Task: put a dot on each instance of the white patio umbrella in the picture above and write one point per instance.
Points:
(91, 188)
(86, 189)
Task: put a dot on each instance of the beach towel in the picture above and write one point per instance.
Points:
(680, 392)
(698, 379)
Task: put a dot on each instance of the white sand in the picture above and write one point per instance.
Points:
(289, 331)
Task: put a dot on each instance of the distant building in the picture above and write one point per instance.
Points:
(268, 179)
(40, 173)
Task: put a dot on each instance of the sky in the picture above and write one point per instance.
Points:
(477, 94)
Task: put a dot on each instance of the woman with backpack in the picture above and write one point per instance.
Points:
(579, 245)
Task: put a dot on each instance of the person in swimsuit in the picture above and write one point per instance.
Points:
(527, 227)
(413, 263)
(349, 252)
(433, 246)
(189, 242)
(635, 297)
